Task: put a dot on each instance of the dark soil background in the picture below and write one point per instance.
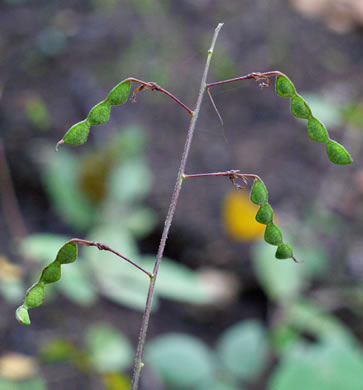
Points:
(71, 53)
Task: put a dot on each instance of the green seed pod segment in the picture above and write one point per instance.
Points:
(317, 131)
(273, 234)
(67, 254)
(119, 94)
(265, 214)
(300, 108)
(337, 153)
(22, 315)
(284, 87)
(77, 134)
(259, 193)
(283, 251)
(34, 296)
(100, 113)
(50, 274)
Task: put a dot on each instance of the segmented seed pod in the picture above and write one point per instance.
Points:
(77, 134)
(273, 235)
(337, 153)
(119, 94)
(51, 273)
(317, 131)
(300, 108)
(259, 193)
(283, 251)
(99, 114)
(265, 214)
(34, 296)
(284, 87)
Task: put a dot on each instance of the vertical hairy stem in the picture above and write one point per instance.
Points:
(174, 200)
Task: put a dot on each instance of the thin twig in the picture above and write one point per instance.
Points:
(174, 200)
(155, 87)
(103, 247)
(214, 106)
(232, 174)
(257, 76)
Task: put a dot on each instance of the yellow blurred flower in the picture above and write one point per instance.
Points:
(15, 366)
(239, 217)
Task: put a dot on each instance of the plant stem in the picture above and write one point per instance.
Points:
(174, 200)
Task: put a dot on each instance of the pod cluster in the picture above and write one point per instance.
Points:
(273, 235)
(50, 274)
(316, 130)
(98, 115)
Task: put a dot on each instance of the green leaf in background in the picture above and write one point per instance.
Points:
(243, 349)
(116, 381)
(131, 181)
(36, 383)
(127, 290)
(42, 247)
(60, 176)
(57, 350)
(108, 349)
(177, 282)
(215, 384)
(141, 221)
(284, 280)
(127, 143)
(281, 280)
(180, 360)
(327, 110)
(77, 285)
(331, 365)
(118, 280)
(353, 114)
(37, 112)
(283, 337)
(13, 290)
(306, 316)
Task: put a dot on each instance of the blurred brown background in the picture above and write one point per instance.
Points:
(58, 59)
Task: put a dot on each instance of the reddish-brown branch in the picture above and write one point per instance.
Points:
(232, 174)
(257, 76)
(155, 87)
(103, 247)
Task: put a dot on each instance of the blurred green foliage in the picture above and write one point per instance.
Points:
(36, 383)
(94, 193)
